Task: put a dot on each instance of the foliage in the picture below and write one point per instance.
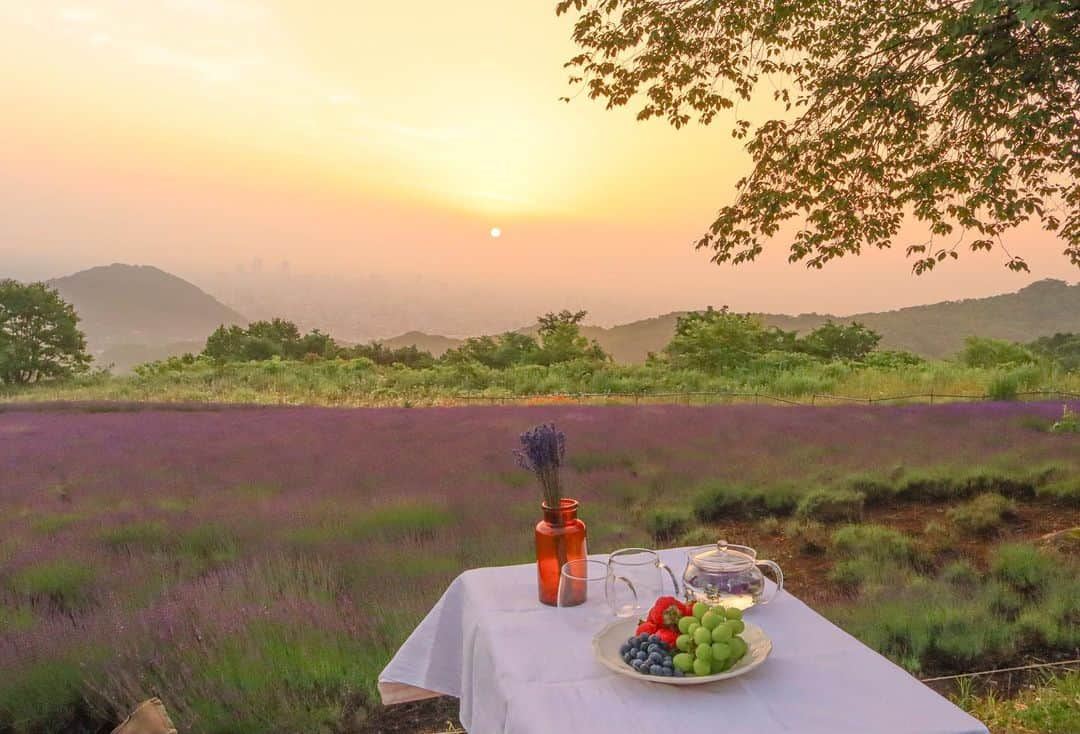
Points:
(561, 339)
(378, 353)
(1069, 422)
(500, 352)
(840, 341)
(1061, 348)
(666, 524)
(722, 341)
(982, 515)
(959, 113)
(1003, 387)
(831, 504)
(1051, 707)
(989, 353)
(262, 340)
(39, 335)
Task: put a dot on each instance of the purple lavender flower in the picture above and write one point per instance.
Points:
(542, 453)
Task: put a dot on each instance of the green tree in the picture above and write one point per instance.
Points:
(561, 339)
(840, 341)
(408, 356)
(718, 340)
(39, 335)
(982, 352)
(1061, 348)
(961, 113)
(505, 350)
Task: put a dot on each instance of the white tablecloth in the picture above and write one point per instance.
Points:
(519, 667)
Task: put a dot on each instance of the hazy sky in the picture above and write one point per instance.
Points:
(354, 138)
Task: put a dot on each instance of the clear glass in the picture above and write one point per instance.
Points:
(729, 575)
(635, 579)
(583, 583)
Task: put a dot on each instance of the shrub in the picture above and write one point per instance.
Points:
(873, 541)
(831, 505)
(1023, 567)
(960, 574)
(874, 488)
(665, 525)
(1003, 387)
(1069, 423)
(146, 535)
(982, 515)
(769, 526)
(809, 536)
(63, 583)
(716, 501)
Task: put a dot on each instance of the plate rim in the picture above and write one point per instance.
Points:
(622, 669)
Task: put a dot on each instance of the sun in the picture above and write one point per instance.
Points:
(496, 232)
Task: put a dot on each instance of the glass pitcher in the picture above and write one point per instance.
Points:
(729, 575)
(635, 580)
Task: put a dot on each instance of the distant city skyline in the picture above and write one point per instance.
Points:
(198, 135)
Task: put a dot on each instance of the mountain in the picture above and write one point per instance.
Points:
(935, 330)
(126, 309)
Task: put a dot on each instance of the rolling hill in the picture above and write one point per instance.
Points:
(130, 312)
(935, 330)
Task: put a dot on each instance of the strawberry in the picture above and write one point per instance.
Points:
(656, 614)
(646, 628)
(668, 635)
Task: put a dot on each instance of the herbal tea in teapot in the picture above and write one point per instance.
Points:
(729, 575)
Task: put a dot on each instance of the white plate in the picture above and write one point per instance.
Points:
(607, 642)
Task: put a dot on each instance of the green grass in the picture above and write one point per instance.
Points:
(1051, 707)
(392, 522)
(983, 515)
(831, 505)
(665, 525)
(718, 500)
(142, 536)
(339, 383)
(958, 620)
(64, 583)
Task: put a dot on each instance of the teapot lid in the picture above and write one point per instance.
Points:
(724, 557)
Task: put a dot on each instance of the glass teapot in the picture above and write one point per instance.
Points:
(729, 575)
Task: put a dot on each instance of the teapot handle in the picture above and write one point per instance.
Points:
(674, 583)
(779, 579)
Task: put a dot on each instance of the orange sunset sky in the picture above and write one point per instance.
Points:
(352, 138)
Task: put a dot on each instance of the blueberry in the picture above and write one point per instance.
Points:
(667, 672)
(656, 670)
(655, 658)
(624, 649)
(642, 655)
(678, 673)
(635, 664)
(653, 647)
(667, 663)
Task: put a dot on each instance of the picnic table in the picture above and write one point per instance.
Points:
(519, 667)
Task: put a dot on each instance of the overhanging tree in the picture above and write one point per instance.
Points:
(39, 334)
(964, 114)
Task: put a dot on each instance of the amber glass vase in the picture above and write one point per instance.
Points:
(560, 537)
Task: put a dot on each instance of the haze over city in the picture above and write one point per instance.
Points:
(361, 155)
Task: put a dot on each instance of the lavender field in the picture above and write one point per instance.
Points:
(256, 567)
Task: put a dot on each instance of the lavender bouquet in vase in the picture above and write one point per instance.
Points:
(560, 535)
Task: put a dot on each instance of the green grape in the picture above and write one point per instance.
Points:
(738, 648)
(692, 626)
(702, 636)
(700, 608)
(702, 667)
(733, 613)
(720, 666)
(721, 651)
(722, 632)
(737, 625)
(684, 642)
(684, 624)
(684, 662)
(710, 619)
(703, 652)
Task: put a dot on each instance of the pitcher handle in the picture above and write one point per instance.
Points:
(609, 592)
(779, 579)
(674, 583)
